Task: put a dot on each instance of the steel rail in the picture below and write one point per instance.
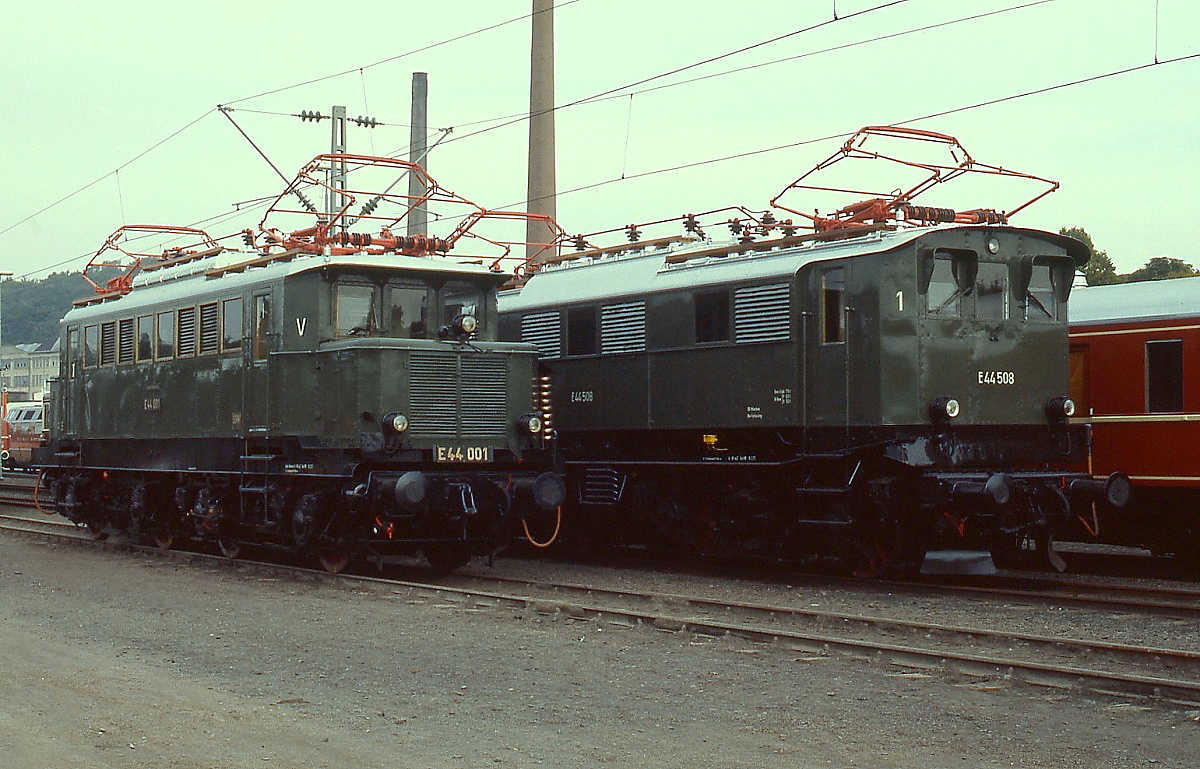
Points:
(1160, 599)
(957, 650)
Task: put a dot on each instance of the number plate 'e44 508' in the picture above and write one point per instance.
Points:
(462, 453)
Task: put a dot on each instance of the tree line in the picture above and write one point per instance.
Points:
(1100, 270)
(31, 309)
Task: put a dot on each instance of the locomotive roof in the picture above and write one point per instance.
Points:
(221, 275)
(1144, 300)
(625, 274)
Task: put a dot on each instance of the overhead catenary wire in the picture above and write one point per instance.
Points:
(398, 56)
(609, 93)
(766, 150)
(158, 144)
(907, 121)
(613, 93)
(517, 116)
(620, 90)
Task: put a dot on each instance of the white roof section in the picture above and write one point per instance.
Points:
(189, 280)
(1141, 301)
(635, 273)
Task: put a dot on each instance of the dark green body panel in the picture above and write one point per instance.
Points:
(893, 360)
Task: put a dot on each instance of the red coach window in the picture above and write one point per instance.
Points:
(1164, 376)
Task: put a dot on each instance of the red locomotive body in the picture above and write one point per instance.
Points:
(1135, 366)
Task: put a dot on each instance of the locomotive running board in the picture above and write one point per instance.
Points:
(958, 562)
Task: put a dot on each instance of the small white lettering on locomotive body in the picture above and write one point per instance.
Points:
(997, 377)
(582, 396)
(753, 412)
(301, 325)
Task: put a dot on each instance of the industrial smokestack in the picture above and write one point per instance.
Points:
(542, 188)
(418, 220)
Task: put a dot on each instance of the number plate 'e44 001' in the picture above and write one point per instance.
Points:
(462, 453)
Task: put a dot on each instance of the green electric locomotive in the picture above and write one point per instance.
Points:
(336, 400)
(865, 391)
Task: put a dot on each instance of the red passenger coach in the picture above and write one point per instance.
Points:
(1135, 376)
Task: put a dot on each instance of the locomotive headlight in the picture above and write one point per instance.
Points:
(466, 324)
(943, 408)
(397, 423)
(531, 423)
(1060, 408)
(993, 245)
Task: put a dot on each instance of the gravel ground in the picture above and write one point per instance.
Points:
(126, 660)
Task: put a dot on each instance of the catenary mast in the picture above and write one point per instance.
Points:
(542, 185)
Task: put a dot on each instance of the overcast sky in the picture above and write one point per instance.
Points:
(110, 108)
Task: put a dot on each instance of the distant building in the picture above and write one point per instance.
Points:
(26, 369)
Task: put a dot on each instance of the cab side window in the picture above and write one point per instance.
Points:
(833, 305)
(581, 331)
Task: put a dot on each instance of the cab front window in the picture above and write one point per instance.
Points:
(354, 310)
(407, 310)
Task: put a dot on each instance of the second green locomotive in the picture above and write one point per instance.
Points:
(881, 386)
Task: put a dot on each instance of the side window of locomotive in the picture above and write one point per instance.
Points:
(355, 310)
(164, 345)
(407, 311)
(262, 327)
(712, 316)
(185, 340)
(145, 338)
(70, 356)
(833, 305)
(462, 299)
(1040, 303)
(231, 325)
(991, 291)
(91, 346)
(581, 331)
(1164, 376)
(108, 343)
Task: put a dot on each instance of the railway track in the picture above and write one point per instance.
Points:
(1163, 674)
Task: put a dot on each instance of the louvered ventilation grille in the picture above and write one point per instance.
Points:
(208, 329)
(125, 343)
(762, 313)
(187, 331)
(484, 395)
(543, 329)
(602, 486)
(623, 327)
(108, 343)
(457, 396)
